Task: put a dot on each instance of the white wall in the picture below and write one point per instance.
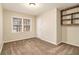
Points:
(64, 34)
(48, 25)
(58, 28)
(70, 35)
(49, 29)
(1, 28)
(8, 34)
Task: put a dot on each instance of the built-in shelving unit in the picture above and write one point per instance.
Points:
(70, 16)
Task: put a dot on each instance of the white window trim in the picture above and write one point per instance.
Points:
(22, 24)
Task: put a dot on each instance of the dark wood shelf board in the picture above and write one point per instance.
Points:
(75, 13)
(75, 18)
(66, 24)
(66, 14)
(66, 19)
(75, 24)
(71, 14)
(70, 19)
(70, 24)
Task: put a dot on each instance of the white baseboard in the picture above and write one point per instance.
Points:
(43, 40)
(33, 37)
(59, 43)
(49, 41)
(17, 40)
(71, 44)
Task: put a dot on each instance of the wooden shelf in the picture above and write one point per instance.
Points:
(66, 14)
(70, 15)
(75, 24)
(66, 24)
(66, 19)
(76, 12)
(76, 18)
(70, 24)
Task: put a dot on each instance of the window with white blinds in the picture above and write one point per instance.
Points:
(21, 24)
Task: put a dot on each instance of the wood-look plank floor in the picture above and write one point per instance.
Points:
(36, 46)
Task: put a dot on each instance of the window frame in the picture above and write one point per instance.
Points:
(22, 24)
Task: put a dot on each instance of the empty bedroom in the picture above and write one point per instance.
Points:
(39, 29)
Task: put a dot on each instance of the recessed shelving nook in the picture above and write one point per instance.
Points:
(70, 16)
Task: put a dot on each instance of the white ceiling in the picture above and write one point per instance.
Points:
(20, 7)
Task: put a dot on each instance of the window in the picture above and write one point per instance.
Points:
(20, 24)
(17, 24)
(26, 24)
